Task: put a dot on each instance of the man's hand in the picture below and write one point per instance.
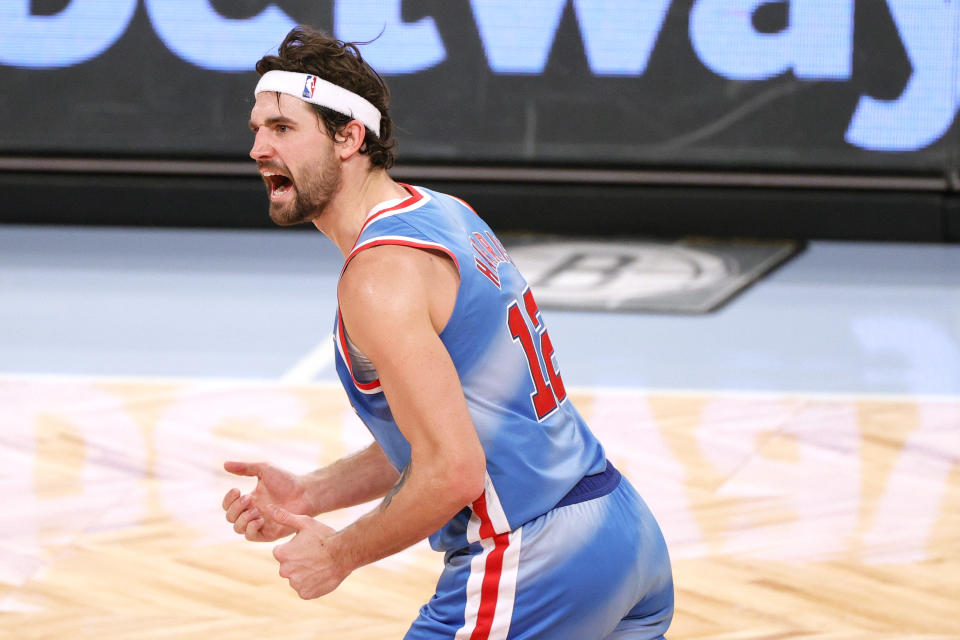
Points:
(274, 487)
(306, 561)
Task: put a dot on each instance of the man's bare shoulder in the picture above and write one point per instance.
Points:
(384, 277)
(385, 291)
(389, 289)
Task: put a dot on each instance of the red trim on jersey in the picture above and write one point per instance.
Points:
(403, 243)
(490, 587)
(415, 197)
(465, 203)
(342, 335)
(486, 524)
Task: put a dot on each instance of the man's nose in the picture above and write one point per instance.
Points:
(260, 149)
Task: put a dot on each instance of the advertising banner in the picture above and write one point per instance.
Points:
(815, 85)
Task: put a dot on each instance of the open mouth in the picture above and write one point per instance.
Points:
(277, 183)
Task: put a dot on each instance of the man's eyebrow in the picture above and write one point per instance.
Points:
(272, 120)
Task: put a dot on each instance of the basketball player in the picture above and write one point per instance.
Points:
(446, 358)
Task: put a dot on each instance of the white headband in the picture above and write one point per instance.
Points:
(326, 94)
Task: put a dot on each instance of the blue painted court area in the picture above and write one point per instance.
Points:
(838, 318)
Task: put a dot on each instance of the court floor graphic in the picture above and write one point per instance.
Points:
(800, 447)
(785, 515)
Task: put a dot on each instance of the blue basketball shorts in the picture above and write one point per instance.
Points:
(591, 569)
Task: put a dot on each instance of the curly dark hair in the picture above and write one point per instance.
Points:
(307, 50)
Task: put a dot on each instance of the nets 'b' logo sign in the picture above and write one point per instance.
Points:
(309, 86)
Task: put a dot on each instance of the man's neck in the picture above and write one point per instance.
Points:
(358, 194)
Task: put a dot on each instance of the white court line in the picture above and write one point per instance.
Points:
(221, 381)
(311, 364)
(881, 396)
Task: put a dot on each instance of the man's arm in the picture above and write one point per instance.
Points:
(352, 480)
(393, 301)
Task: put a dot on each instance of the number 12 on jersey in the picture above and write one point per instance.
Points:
(539, 352)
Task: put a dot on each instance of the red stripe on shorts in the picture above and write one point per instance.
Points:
(490, 588)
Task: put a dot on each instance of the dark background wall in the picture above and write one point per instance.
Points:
(809, 118)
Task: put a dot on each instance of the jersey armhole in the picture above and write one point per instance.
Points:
(403, 241)
(341, 338)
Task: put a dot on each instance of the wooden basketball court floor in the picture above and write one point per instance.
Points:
(801, 448)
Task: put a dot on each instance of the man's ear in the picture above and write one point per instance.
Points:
(349, 139)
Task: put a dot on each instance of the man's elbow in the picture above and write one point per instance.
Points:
(466, 480)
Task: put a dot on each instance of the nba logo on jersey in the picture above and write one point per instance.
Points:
(309, 86)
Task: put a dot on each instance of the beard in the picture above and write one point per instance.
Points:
(312, 193)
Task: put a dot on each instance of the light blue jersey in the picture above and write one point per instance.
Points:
(536, 444)
(559, 545)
